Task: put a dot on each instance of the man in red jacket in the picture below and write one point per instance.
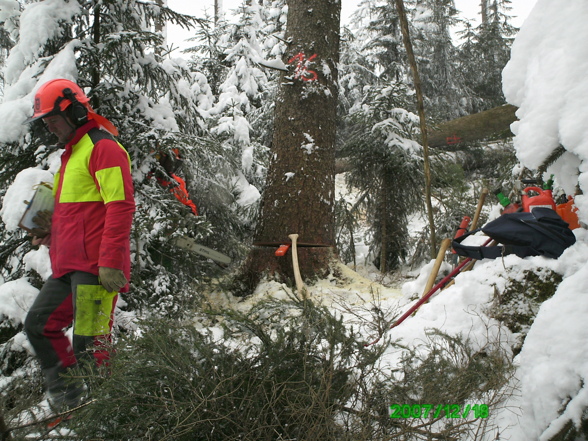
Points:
(178, 187)
(88, 236)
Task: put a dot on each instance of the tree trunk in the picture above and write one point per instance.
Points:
(484, 11)
(5, 434)
(300, 187)
(423, 122)
(160, 23)
(384, 227)
(488, 124)
(96, 39)
(217, 10)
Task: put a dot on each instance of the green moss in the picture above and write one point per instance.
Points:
(518, 303)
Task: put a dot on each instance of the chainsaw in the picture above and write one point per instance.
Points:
(189, 244)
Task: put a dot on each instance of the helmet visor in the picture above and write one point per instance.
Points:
(37, 117)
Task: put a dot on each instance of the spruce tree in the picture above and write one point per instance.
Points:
(378, 131)
(112, 50)
(376, 26)
(485, 52)
(385, 167)
(442, 81)
(238, 57)
(299, 193)
(243, 89)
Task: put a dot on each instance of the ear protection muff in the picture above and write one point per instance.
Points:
(76, 111)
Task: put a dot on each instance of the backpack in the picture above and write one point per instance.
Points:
(539, 233)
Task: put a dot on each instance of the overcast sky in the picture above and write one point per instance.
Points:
(469, 9)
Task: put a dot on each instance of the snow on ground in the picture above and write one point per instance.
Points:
(551, 369)
(552, 366)
(546, 78)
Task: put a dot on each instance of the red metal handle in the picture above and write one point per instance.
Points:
(432, 291)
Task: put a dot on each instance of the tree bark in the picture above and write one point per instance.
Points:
(217, 10)
(422, 119)
(300, 187)
(493, 123)
(96, 39)
(4, 433)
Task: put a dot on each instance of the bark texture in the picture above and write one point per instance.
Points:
(492, 123)
(300, 187)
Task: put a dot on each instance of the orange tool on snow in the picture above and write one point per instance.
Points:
(463, 228)
(569, 213)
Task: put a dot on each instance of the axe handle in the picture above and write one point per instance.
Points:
(479, 209)
(440, 256)
(297, 276)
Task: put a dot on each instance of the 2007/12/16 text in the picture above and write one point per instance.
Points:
(438, 410)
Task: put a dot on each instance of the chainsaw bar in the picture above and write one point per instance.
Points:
(189, 244)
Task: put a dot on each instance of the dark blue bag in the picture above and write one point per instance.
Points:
(539, 233)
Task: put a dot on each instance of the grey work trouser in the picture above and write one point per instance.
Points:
(76, 298)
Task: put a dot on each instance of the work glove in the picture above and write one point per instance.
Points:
(43, 221)
(111, 279)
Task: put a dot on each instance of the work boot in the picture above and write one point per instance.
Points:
(64, 390)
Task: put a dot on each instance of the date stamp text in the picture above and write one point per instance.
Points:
(439, 411)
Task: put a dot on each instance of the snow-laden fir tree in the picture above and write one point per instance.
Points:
(484, 52)
(378, 132)
(442, 82)
(376, 27)
(386, 166)
(372, 56)
(239, 57)
(112, 50)
(270, 36)
(243, 88)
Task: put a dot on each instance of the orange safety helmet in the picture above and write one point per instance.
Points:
(56, 96)
(61, 95)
